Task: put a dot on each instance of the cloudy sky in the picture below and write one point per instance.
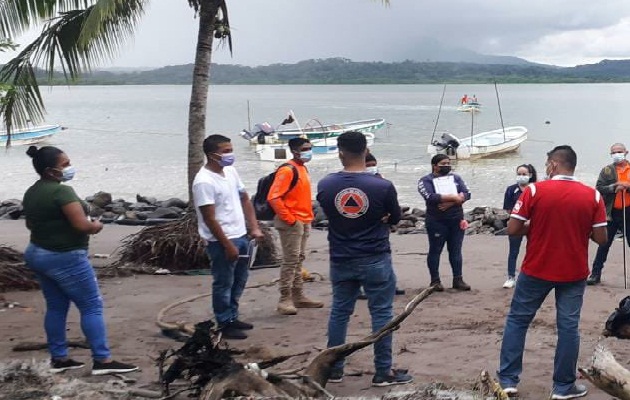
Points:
(560, 32)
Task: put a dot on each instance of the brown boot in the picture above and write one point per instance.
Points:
(301, 301)
(285, 305)
(459, 284)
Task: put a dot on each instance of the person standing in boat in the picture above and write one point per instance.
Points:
(444, 193)
(525, 174)
(464, 99)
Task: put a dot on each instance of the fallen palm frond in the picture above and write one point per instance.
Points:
(14, 275)
(177, 246)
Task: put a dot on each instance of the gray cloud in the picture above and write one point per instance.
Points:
(287, 31)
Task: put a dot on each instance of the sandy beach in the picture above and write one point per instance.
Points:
(450, 338)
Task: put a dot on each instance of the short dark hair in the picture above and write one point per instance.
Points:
(532, 171)
(297, 142)
(369, 157)
(437, 158)
(44, 157)
(212, 142)
(565, 155)
(352, 142)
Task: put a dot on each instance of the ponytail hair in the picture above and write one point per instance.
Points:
(44, 157)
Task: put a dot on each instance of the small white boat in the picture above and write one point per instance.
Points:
(28, 136)
(479, 145)
(321, 148)
(470, 107)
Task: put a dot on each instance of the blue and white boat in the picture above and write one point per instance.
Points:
(28, 136)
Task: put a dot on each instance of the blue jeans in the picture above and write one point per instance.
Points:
(515, 246)
(64, 277)
(614, 225)
(376, 275)
(529, 294)
(228, 280)
(442, 232)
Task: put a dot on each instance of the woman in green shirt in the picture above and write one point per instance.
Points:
(57, 253)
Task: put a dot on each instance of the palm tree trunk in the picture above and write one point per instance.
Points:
(199, 96)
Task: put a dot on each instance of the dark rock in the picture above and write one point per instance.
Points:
(149, 200)
(14, 212)
(108, 215)
(410, 217)
(101, 199)
(163, 212)
(118, 209)
(405, 224)
(410, 231)
(498, 224)
(174, 202)
(418, 212)
(404, 209)
(95, 211)
(142, 215)
(141, 207)
(11, 202)
(176, 209)
(473, 227)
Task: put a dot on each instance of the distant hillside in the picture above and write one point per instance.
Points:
(343, 71)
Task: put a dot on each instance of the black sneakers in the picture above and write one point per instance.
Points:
(336, 376)
(236, 324)
(395, 377)
(114, 367)
(594, 279)
(230, 332)
(57, 366)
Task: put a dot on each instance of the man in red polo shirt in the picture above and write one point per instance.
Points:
(558, 216)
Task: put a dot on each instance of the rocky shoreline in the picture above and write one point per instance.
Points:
(148, 210)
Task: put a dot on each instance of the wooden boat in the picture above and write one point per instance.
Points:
(29, 136)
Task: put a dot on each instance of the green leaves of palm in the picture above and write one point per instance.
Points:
(76, 35)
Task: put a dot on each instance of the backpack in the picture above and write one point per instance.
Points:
(264, 211)
(619, 317)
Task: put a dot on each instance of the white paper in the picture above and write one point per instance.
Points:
(445, 185)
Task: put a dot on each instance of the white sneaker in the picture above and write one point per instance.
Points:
(510, 283)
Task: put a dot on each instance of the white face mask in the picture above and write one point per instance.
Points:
(618, 157)
(372, 170)
(522, 179)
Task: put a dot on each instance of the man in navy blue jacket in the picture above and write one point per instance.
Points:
(444, 194)
(360, 208)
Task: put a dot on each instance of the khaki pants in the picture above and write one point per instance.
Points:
(293, 240)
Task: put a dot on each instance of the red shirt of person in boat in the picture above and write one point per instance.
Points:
(465, 99)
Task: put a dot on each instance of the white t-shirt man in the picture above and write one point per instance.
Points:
(210, 188)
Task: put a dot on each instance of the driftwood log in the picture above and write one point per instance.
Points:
(14, 275)
(607, 374)
(205, 361)
(254, 383)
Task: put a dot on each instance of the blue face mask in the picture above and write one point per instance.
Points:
(306, 156)
(67, 173)
(227, 159)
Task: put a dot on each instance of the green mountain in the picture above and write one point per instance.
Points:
(344, 71)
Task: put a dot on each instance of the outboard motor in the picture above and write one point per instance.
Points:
(450, 143)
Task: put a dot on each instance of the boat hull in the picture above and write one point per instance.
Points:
(321, 149)
(28, 136)
(485, 144)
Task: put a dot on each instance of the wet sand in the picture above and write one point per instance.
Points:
(449, 338)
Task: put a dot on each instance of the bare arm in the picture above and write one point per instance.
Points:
(517, 227)
(599, 235)
(79, 221)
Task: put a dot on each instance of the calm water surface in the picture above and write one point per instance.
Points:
(132, 139)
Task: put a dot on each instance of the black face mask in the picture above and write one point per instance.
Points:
(444, 169)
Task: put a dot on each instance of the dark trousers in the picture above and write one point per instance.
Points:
(441, 232)
(614, 225)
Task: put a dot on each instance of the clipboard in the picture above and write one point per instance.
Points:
(252, 249)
